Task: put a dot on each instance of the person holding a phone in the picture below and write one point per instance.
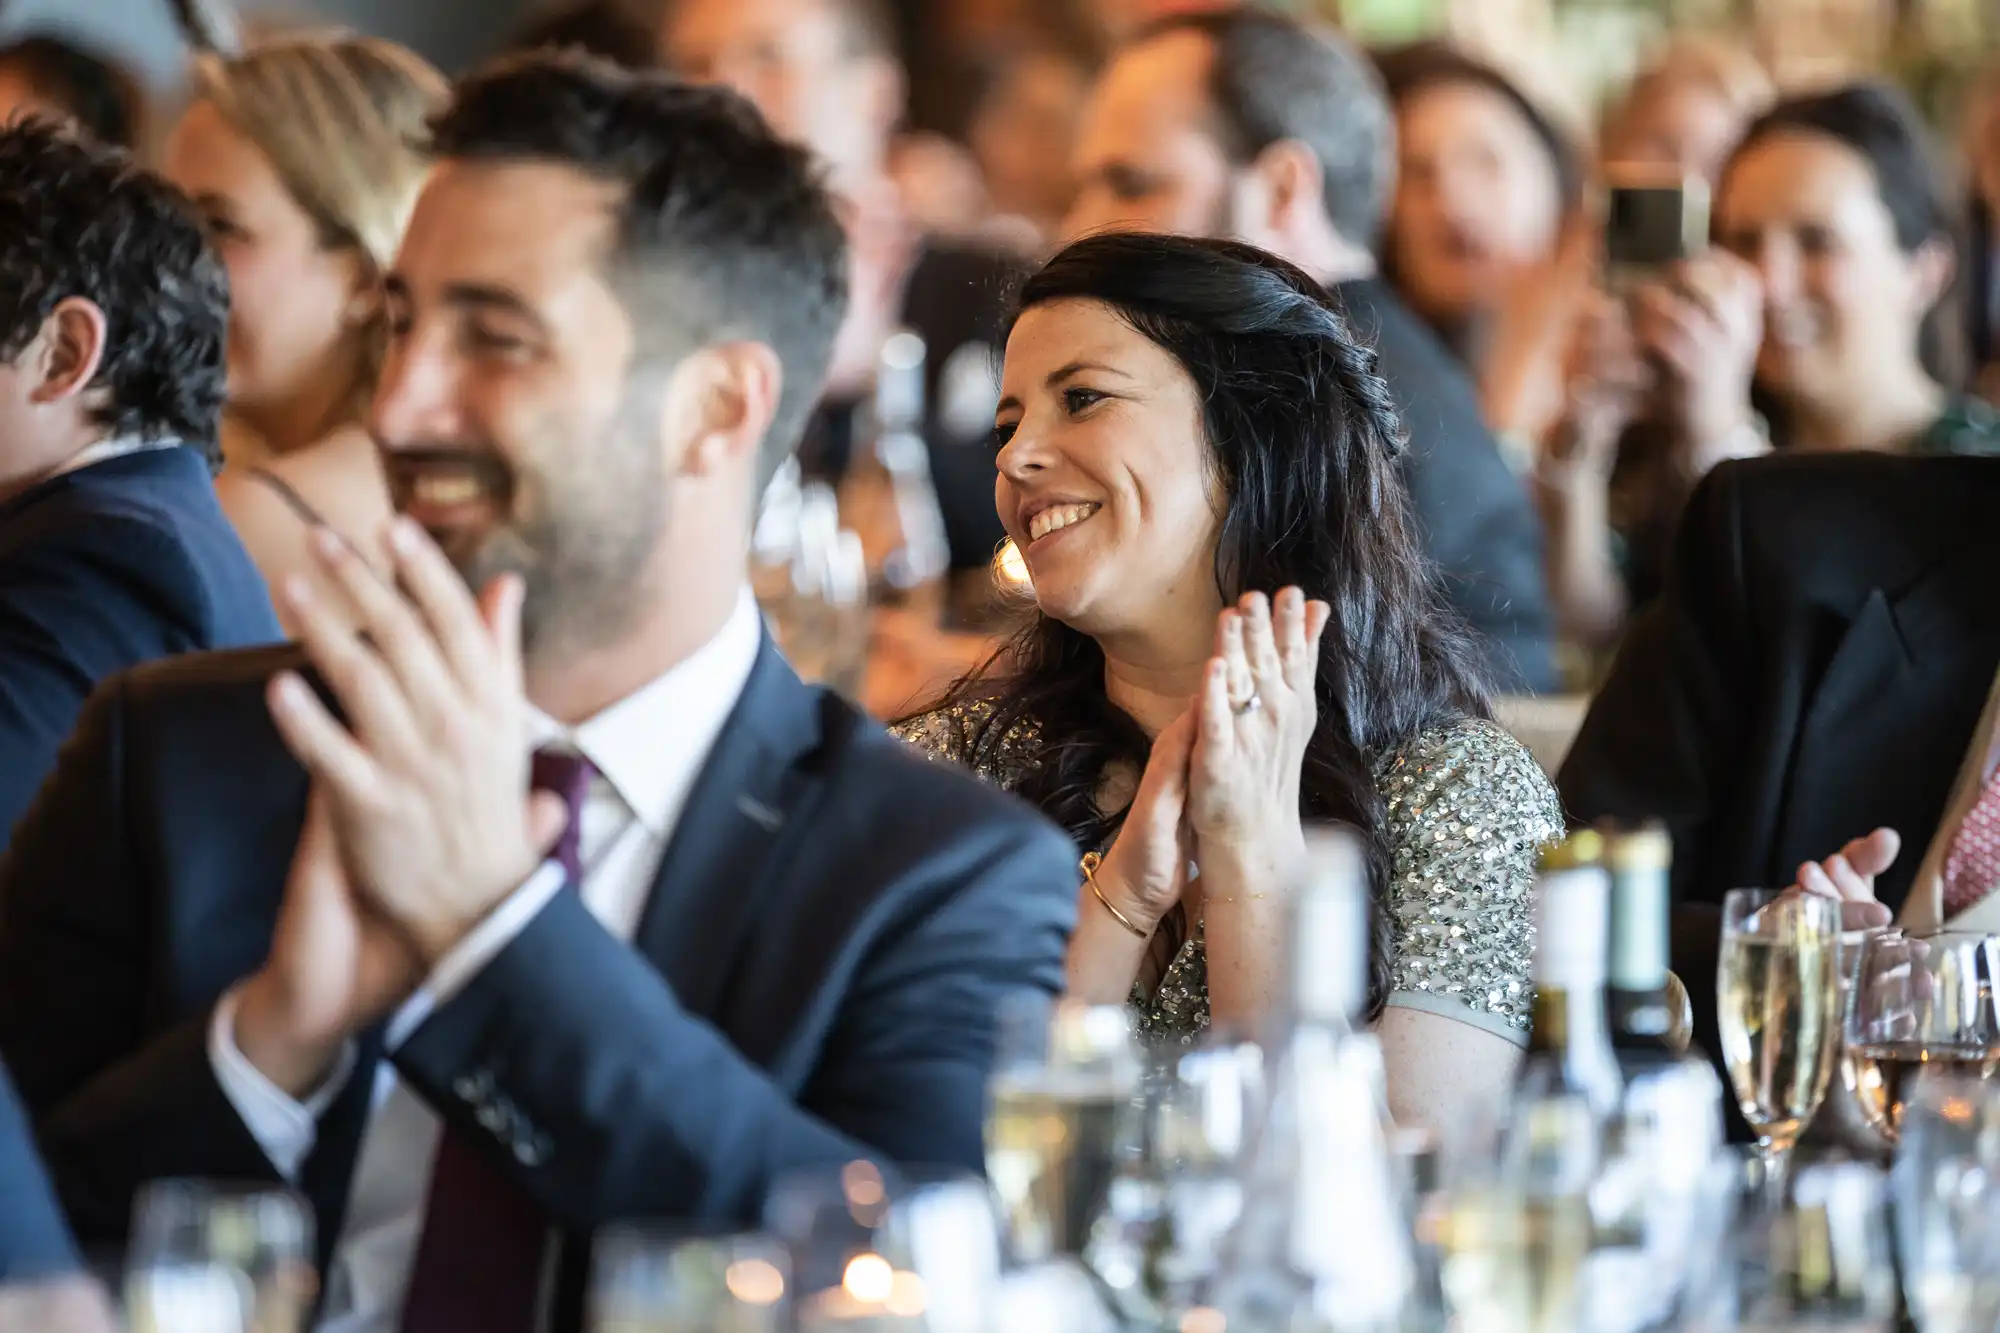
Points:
(1810, 323)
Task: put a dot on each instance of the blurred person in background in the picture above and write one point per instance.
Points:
(1483, 237)
(1817, 323)
(1023, 127)
(1237, 631)
(1687, 106)
(50, 76)
(826, 73)
(1254, 126)
(608, 29)
(301, 155)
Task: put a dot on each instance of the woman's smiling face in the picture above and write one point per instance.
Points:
(1106, 481)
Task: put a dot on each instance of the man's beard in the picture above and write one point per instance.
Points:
(579, 538)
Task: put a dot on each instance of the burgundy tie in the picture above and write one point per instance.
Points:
(479, 1262)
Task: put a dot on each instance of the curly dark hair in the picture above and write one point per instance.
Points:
(1304, 437)
(83, 220)
(725, 232)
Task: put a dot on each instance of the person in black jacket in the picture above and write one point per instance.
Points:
(1258, 127)
(113, 550)
(1816, 669)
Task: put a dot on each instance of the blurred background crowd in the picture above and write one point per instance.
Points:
(1847, 301)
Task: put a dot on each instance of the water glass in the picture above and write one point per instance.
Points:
(1777, 992)
(1946, 1187)
(646, 1281)
(213, 1258)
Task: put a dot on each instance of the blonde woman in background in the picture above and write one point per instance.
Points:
(301, 155)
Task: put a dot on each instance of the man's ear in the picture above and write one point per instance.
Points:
(1294, 187)
(718, 407)
(66, 353)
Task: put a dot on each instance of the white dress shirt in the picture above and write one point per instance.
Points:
(648, 749)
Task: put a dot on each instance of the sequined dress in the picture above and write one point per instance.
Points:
(1468, 812)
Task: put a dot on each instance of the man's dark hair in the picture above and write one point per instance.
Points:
(78, 219)
(1273, 78)
(100, 96)
(725, 231)
(608, 29)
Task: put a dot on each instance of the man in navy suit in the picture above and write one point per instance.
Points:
(113, 312)
(302, 917)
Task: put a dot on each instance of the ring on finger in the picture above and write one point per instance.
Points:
(1247, 706)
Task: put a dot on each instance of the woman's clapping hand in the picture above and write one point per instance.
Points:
(1256, 714)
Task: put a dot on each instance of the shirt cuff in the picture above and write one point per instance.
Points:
(284, 1128)
(486, 941)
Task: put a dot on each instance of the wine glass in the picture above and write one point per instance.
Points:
(1777, 993)
(1946, 1186)
(1065, 1115)
(213, 1258)
(1919, 1001)
(645, 1281)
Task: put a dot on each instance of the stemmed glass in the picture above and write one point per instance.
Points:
(209, 1258)
(1919, 1001)
(1946, 1186)
(1777, 991)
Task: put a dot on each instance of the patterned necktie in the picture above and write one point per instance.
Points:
(1972, 865)
(479, 1262)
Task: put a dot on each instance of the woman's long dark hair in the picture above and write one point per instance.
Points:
(1884, 128)
(1305, 439)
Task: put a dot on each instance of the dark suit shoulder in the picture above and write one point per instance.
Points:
(1870, 520)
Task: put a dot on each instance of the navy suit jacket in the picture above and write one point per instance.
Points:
(101, 569)
(814, 977)
(34, 1243)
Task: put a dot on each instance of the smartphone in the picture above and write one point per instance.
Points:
(1650, 221)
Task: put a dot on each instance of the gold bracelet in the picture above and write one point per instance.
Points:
(1091, 860)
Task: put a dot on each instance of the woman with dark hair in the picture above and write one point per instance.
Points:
(1236, 632)
(1485, 182)
(1816, 323)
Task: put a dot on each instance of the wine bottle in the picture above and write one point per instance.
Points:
(1569, 1044)
(1635, 994)
(1323, 1242)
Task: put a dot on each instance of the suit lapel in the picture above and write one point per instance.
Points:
(698, 915)
(1903, 688)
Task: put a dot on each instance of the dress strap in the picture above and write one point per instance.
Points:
(285, 491)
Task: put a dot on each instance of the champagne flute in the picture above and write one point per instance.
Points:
(1777, 998)
(209, 1258)
(659, 1282)
(1064, 1115)
(1919, 1001)
(1947, 1206)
